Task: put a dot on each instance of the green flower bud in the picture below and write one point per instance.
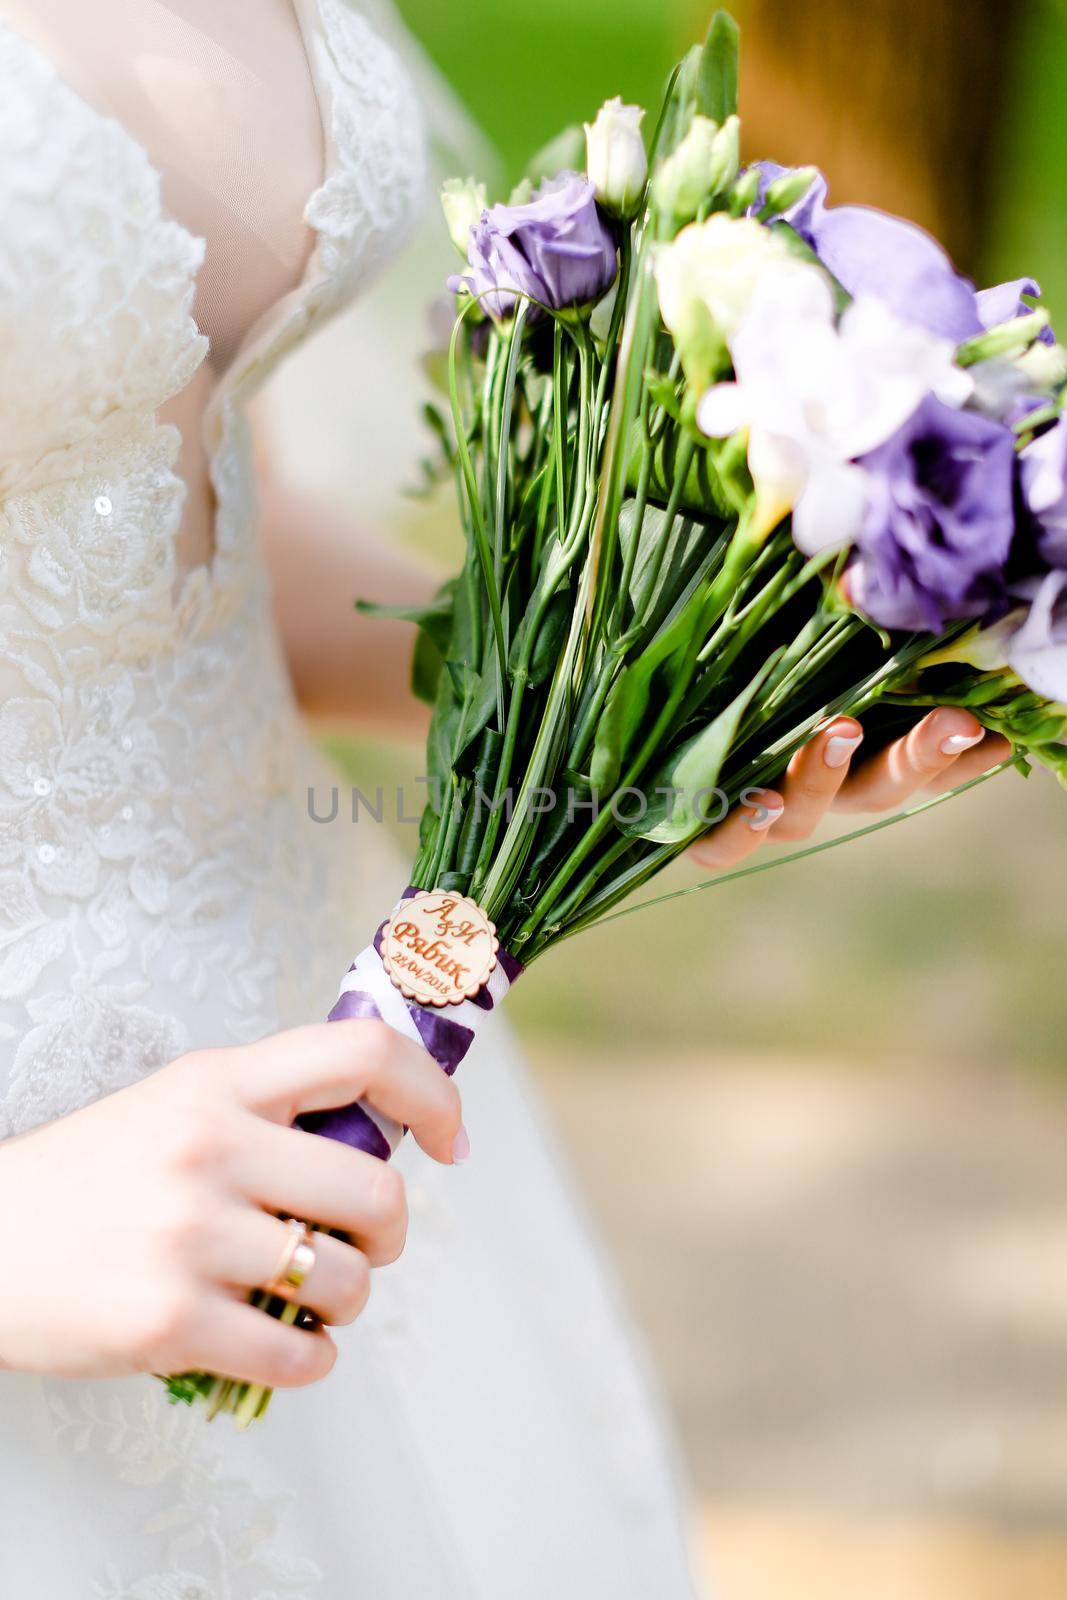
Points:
(745, 192)
(726, 155)
(1009, 340)
(462, 202)
(704, 164)
(785, 191)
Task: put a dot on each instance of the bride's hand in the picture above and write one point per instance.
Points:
(136, 1227)
(946, 748)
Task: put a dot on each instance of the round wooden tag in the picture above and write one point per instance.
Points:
(439, 948)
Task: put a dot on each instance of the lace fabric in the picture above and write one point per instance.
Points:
(161, 887)
(110, 816)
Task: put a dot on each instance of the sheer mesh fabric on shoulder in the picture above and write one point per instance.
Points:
(220, 99)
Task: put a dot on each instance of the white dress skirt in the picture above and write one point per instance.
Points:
(488, 1433)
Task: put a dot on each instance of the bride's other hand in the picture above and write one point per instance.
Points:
(946, 748)
(138, 1226)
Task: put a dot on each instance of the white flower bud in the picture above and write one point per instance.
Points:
(462, 202)
(725, 156)
(616, 161)
(704, 164)
(1008, 340)
(1045, 365)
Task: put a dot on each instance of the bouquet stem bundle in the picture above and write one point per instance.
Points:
(716, 490)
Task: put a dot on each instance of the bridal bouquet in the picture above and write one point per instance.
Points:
(730, 462)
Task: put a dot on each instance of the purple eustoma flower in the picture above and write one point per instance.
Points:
(939, 520)
(557, 249)
(1004, 302)
(803, 212)
(1043, 480)
(871, 253)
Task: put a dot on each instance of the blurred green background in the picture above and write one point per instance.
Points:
(847, 1238)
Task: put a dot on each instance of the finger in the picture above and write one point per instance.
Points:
(744, 830)
(251, 1245)
(235, 1340)
(335, 1063)
(815, 775)
(929, 750)
(990, 752)
(303, 1175)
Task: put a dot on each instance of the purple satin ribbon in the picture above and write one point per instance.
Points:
(446, 1039)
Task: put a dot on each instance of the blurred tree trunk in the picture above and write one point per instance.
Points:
(896, 100)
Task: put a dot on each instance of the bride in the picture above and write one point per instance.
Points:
(184, 198)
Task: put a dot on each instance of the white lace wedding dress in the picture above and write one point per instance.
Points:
(487, 1433)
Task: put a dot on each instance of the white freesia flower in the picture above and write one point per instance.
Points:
(706, 279)
(1030, 641)
(1036, 651)
(815, 394)
(616, 162)
(462, 201)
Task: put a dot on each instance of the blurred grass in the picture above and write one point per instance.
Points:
(943, 941)
(527, 71)
(1028, 228)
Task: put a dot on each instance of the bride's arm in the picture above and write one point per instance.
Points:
(347, 669)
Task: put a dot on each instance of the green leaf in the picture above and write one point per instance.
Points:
(628, 700)
(550, 635)
(717, 77)
(435, 616)
(441, 429)
(434, 621)
(426, 664)
(477, 694)
(427, 826)
(442, 736)
(663, 392)
(707, 491)
(550, 638)
(683, 544)
(484, 763)
(674, 817)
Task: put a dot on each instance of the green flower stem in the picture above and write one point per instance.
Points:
(517, 840)
(503, 442)
(626, 402)
(644, 478)
(685, 457)
(520, 678)
(560, 390)
(593, 835)
(794, 855)
(481, 542)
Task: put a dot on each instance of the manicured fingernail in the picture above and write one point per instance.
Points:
(956, 742)
(461, 1146)
(765, 815)
(840, 747)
